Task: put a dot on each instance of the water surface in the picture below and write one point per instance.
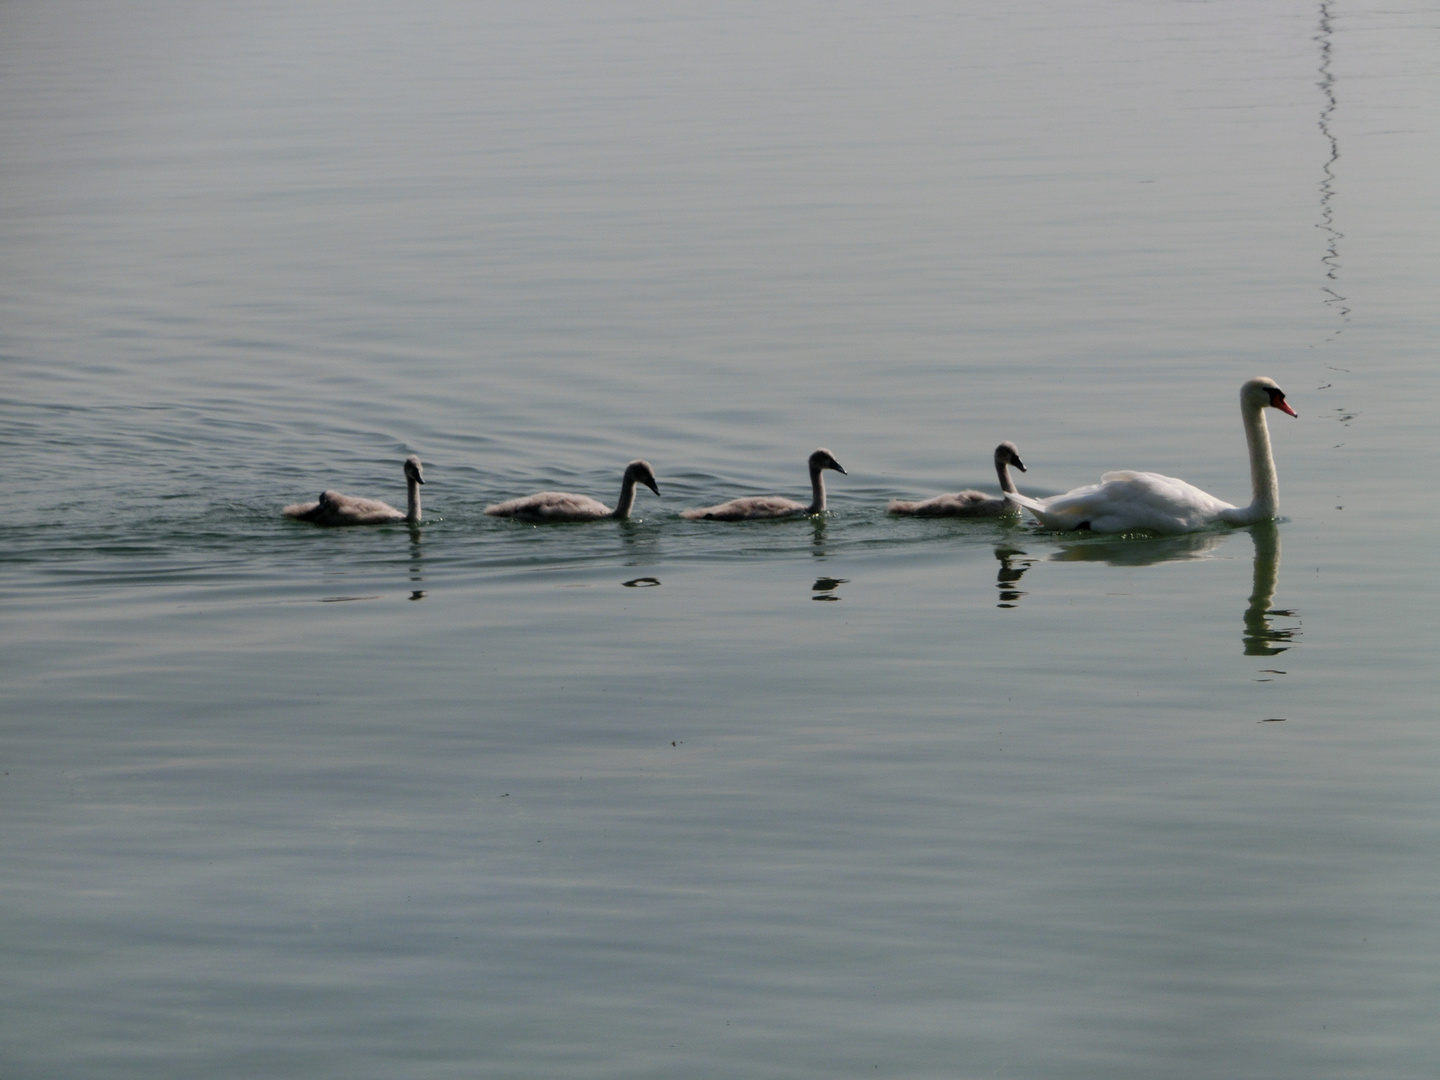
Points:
(852, 796)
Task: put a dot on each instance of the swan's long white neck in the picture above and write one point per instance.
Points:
(627, 497)
(412, 489)
(817, 491)
(1264, 484)
(1002, 470)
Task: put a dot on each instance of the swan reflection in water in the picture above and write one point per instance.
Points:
(1140, 551)
(1261, 637)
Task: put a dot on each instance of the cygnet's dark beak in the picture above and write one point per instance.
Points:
(838, 467)
(652, 486)
(1019, 464)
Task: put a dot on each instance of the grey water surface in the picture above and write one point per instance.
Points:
(850, 796)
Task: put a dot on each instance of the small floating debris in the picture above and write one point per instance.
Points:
(1273, 720)
(641, 583)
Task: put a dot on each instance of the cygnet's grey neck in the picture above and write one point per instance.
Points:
(817, 490)
(1002, 470)
(627, 496)
(412, 486)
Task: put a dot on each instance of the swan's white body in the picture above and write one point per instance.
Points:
(1150, 502)
(334, 508)
(971, 503)
(563, 506)
(754, 507)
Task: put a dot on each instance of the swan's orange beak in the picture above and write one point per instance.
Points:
(1277, 400)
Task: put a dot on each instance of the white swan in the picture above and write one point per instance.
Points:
(562, 506)
(1135, 501)
(336, 509)
(773, 506)
(971, 503)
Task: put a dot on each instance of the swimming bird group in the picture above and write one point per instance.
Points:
(1121, 502)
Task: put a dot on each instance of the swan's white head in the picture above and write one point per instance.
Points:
(1007, 453)
(1260, 393)
(641, 472)
(412, 469)
(823, 459)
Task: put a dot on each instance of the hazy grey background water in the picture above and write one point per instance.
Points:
(456, 801)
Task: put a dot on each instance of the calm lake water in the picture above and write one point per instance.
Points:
(848, 797)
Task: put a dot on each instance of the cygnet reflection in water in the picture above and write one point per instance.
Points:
(1012, 569)
(825, 587)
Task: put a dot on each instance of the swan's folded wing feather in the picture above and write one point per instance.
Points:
(1126, 501)
(356, 505)
(956, 504)
(1068, 511)
(301, 511)
(754, 506)
(337, 509)
(350, 509)
(551, 506)
(1129, 501)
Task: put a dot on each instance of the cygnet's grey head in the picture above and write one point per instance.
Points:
(1007, 453)
(412, 469)
(640, 471)
(823, 459)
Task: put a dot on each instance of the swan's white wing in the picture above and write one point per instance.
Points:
(1068, 511)
(1128, 502)
(1155, 502)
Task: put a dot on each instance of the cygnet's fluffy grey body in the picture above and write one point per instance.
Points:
(334, 508)
(755, 507)
(971, 503)
(563, 506)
